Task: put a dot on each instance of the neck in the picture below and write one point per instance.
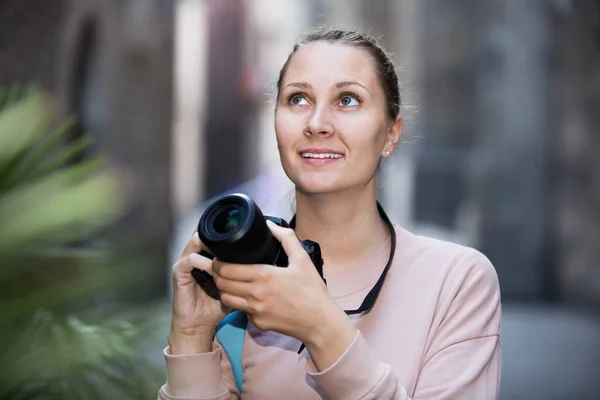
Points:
(346, 225)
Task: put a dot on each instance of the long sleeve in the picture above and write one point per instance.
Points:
(463, 359)
(357, 374)
(206, 376)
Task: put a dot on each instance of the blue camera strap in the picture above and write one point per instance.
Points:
(230, 335)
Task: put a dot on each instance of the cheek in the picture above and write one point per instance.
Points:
(287, 130)
(281, 135)
(364, 136)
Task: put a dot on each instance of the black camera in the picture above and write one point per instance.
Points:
(233, 229)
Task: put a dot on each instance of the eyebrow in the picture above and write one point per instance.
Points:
(339, 85)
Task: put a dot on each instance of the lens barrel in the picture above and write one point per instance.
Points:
(234, 230)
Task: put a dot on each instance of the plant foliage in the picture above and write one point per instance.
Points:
(55, 201)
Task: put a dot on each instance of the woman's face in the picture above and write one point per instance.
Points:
(331, 122)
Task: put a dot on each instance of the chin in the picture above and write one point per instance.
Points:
(316, 182)
(310, 185)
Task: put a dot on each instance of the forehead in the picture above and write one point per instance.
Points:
(324, 62)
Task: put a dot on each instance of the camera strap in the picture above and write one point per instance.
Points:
(231, 331)
(371, 297)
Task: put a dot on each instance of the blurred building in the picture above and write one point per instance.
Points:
(110, 63)
(575, 178)
(508, 143)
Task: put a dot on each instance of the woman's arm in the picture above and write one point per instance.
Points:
(205, 376)
(194, 357)
(463, 360)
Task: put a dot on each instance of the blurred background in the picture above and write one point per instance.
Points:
(120, 120)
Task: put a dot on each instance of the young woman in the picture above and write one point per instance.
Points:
(401, 317)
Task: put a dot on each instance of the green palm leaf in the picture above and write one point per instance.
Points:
(49, 200)
(28, 163)
(22, 123)
(57, 210)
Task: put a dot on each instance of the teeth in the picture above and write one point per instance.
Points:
(322, 155)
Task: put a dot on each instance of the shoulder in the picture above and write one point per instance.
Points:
(454, 265)
(459, 283)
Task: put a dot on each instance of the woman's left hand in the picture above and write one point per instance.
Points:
(293, 301)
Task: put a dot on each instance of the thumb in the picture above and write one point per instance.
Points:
(289, 241)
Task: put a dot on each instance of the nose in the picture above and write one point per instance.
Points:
(320, 122)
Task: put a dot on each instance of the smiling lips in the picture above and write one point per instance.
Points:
(320, 156)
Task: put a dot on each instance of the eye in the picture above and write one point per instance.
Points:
(349, 100)
(296, 99)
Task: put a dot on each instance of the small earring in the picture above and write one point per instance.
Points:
(387, 151)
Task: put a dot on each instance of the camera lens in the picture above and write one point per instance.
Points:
(228, 220)
(233, 229)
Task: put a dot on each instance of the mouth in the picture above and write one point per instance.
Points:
(321, 155)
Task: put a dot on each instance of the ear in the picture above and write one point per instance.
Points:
(393, 138)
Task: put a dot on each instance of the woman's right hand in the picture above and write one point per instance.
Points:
(195, 314)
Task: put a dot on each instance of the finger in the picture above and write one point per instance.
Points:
(239, 272)
(194, 260)
(234, 302)
(234, 288)
(193, 246)
(289, 241)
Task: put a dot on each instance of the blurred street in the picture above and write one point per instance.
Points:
(550, 353)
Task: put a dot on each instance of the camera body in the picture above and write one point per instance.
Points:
(233, 229)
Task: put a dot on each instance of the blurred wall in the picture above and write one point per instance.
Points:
(227, 107)
(30, 38)
(111, 63)
(576, 144)
(510, 163)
